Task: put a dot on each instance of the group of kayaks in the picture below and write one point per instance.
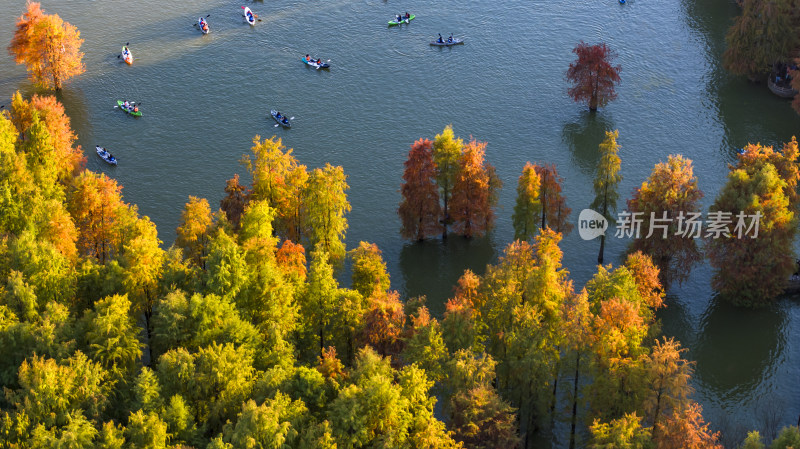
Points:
(440, 42)
(132, 108)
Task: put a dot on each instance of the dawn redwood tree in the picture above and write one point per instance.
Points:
(446, 151)
(554, 205)
(593, 75)
(605, 183)
(96, 206)
(471, 205)
(67, 157)
(235, 201)
(665, 203)
(48, 46)
(752, 271)
(279, 180)
(369, 270)
(194, 229)
(765, 33)
(528, 207)
(325, 204)
(420, 210)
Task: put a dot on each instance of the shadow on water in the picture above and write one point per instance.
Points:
(583, 136)
(738, 350)
(433, 267)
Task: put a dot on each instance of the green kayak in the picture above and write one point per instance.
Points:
(394, 21)
(132, 109)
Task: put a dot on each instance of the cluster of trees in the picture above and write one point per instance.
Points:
(763, 37)
(447, 183)
(233, 337)
(48, 46)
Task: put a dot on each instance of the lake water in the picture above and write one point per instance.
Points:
(205, 97)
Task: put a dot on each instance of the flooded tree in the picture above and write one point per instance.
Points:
(48, 46)
(593, 75)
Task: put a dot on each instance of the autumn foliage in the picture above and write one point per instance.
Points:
(419, 210)
(472, 208)
(664, 203)
(765, 33)
(48, 46)
(593, 75)
(752, 270)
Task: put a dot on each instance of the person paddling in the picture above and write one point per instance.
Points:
(440, 38)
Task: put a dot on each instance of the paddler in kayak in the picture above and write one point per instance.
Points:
(407, 16)
(450, 39)
(440, 39)
(204, 25)
(398, 19)
(308, 58)
(285, 120)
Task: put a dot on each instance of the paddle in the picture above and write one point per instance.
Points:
(196, 24)
(126, 44)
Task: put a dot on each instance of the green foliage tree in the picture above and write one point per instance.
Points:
(528, 207)
(626, 432)
(605, 183)
(369, 274)
(748, 269)
(446, 152)
(325, 204)
(765, 33)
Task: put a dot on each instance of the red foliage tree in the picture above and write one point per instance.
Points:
(593, 75)
(234, 202)
(554, 205)
(419, 210)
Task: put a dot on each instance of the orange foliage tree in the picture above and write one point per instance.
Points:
(383, 323)
(471, 206)
(686, 429)
(48, 46)
(419, 210)
(593, 75)
(96, 206)
(665, 202)
(67, 157)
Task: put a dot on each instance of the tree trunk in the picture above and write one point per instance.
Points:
(446, 217)
(602, 248)
(575, 401)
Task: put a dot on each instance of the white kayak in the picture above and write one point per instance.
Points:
(105, 155)
(203, 25)
(248, 15)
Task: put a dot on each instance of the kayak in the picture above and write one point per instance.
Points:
(200, 22)
(127, 56)
(446, 43)
(313, 63)
(105, 155)
(274, 114)
(129, 109)
(393, 21)
(248, 15)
